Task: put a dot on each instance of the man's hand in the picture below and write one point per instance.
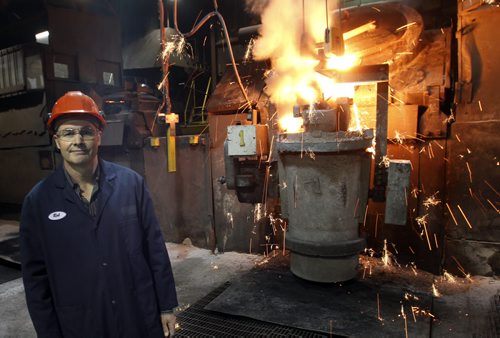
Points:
(168, 323)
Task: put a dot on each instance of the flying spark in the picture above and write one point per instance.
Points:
(413, 313)
(435, 291)
(451, 213)
(450, 119)
(356, 207)
(378, 308)
(413, 268)
(491, 187)
(398, 137)
(414, 192)
(465, 217)
(494, 207)
(431, 151)
(461, 268)
(448, 277)
(409, 296)
(385, 254)
(431, 201)
(403, 313)
(470, 172)
(421, 312)
(386, 161)
(229, 217)
(249, 49)
(366, 213)
(440, 146)
(406, 26)
(422, 221)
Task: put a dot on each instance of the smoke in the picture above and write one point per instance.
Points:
(256, 6)
(291, 34)
(288, 38)
(280, 31)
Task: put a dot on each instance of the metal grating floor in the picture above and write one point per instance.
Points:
(198, 322)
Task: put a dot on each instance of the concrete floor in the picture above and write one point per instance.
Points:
(465, 308)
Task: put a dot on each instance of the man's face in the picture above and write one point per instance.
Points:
(78, 141)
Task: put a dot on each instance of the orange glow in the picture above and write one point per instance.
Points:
(290, 124)
(355, 123)
(291, 45)
(386, 259)
(435, 291)
(343, 62)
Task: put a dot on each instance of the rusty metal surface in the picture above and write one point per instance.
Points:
(227, 95)
(473, 225)
(421, 241)
(474, 181)
(431, 189)
(398, 28)
(431, 67)
(182, 200)
(424, 82)
(477, 66)
(324, 142)
(409, 243)
(402, 122)
(368, 73)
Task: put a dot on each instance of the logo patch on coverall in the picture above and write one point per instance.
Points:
(57, 215)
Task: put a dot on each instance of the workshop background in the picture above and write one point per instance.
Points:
(337, 136)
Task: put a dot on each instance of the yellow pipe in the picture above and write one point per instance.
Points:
(171, 164)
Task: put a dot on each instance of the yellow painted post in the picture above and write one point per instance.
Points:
(171, 164)
(171, 119)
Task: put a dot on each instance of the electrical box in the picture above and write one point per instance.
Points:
(113, 135)
(247, 140)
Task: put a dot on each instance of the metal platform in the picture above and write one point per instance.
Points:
(198, 322)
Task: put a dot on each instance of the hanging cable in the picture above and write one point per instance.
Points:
(164, 66)
(226, 36)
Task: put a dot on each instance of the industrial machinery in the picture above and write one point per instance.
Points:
(327, 175)
(250, 183)
(37, 69)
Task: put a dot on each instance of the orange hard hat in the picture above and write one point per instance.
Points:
(76, 104)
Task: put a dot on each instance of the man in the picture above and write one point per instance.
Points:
(93, 257)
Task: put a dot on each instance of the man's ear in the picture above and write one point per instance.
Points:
(56, 141)
(100, 137)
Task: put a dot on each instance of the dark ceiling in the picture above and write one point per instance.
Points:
(20, 19)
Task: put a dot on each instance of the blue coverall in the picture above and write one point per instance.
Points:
(102, 276)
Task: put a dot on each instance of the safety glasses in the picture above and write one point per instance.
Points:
(67, 134)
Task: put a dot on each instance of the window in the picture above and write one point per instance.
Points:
(109, 73)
